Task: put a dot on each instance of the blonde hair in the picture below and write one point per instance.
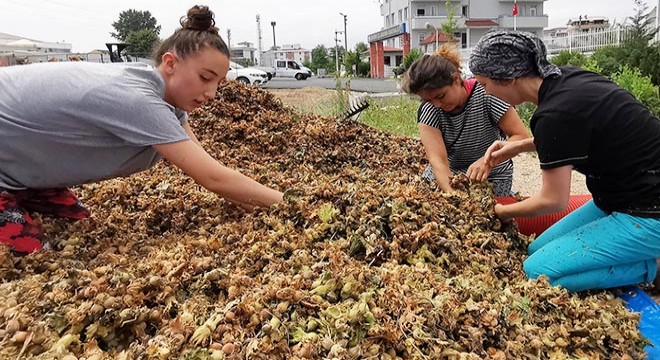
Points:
(433, 71)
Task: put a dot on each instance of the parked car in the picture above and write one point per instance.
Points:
(246, 75)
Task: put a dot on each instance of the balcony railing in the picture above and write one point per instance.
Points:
(538, 22)
(419, 22)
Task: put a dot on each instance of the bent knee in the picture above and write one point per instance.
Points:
(533, 269)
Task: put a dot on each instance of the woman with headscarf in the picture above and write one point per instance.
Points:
(587, 123)
(458, 121)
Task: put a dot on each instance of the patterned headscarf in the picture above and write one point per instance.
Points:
(506, 54)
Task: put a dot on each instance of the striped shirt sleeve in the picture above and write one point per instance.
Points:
(496, 108)
(428, 114)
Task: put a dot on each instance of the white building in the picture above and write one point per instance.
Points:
(410, 24)
(587, 23)
(244, 53)
(10, 43)
(473, 18)
(285, 52)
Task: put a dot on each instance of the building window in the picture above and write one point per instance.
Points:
(421, 12)
(464, 11)
(405, 13)
(400, 16)
(398, 60)
(387, 21)
(422, 36)
(386, 60)
(434, 11)
(532, 10)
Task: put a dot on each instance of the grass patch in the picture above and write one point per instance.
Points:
(525, 111)
(397, 114)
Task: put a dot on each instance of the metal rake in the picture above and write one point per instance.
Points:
(354, 108)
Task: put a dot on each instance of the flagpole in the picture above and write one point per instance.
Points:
(657, 21)
(515, 16)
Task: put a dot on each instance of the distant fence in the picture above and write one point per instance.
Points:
(25, 57)
(588, 41)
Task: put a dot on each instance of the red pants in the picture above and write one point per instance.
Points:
(17, 228)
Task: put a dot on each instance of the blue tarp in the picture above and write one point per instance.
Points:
(649, 324)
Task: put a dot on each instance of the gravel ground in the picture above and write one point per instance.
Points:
(526, 175)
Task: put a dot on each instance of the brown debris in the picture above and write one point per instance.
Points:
(362, 260)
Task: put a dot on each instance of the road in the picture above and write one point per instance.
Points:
(357, 84)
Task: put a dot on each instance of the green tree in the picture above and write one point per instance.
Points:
(353, 60)
(413, 55)
(640, 53)
(142, 42)
(641, 24)
(133, 20)
(320, 59)
(362, 67)
(333, 54)
(636, 51)
(449, 27)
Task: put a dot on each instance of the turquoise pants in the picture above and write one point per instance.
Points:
(590, 249)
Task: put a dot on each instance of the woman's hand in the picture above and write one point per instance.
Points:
(500, 215)
(478, 171)
(498, 152)
(501, 151)
(228, 183)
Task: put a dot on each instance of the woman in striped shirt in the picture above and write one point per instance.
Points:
(458, 121)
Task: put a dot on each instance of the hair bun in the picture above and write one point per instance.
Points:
(450, 52)
(199, 18)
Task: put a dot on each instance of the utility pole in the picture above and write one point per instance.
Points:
(437, 34)
(229, 39)
(272, 23)
(259, 37)
(337, 40)
(657, 21)
(345, 33)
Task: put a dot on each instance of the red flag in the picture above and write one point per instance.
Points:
(515, 9)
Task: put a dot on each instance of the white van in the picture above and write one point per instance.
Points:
(292, 68)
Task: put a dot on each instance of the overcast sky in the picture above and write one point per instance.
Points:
(87, 24)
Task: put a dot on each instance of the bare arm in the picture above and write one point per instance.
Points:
(553, 197)
(512, 126)
(190, 157)
(191, 134)
(514, 129)
(505, 150)
(437, 155)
